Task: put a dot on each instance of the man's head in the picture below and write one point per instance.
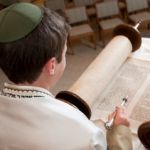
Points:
(29, 38)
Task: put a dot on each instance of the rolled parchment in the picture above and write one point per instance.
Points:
(100, 72)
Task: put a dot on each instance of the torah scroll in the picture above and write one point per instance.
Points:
(100, 72)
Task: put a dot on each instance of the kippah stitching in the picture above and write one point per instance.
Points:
(23, 16)
(5, 15)
(32, 21)
(27, 17)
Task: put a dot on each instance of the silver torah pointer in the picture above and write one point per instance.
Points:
(108, 124)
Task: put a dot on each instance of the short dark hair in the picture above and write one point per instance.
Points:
(23, 60)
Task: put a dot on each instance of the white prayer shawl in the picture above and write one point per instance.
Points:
(44, 123)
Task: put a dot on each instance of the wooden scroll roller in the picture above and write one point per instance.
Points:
(144, 134)
(95, 78)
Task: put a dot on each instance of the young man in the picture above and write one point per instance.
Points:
(32, 55)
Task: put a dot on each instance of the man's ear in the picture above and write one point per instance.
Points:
(50, 66)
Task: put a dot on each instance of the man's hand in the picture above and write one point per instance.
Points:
(120, 117)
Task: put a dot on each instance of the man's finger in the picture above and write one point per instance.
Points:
(112, 115)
